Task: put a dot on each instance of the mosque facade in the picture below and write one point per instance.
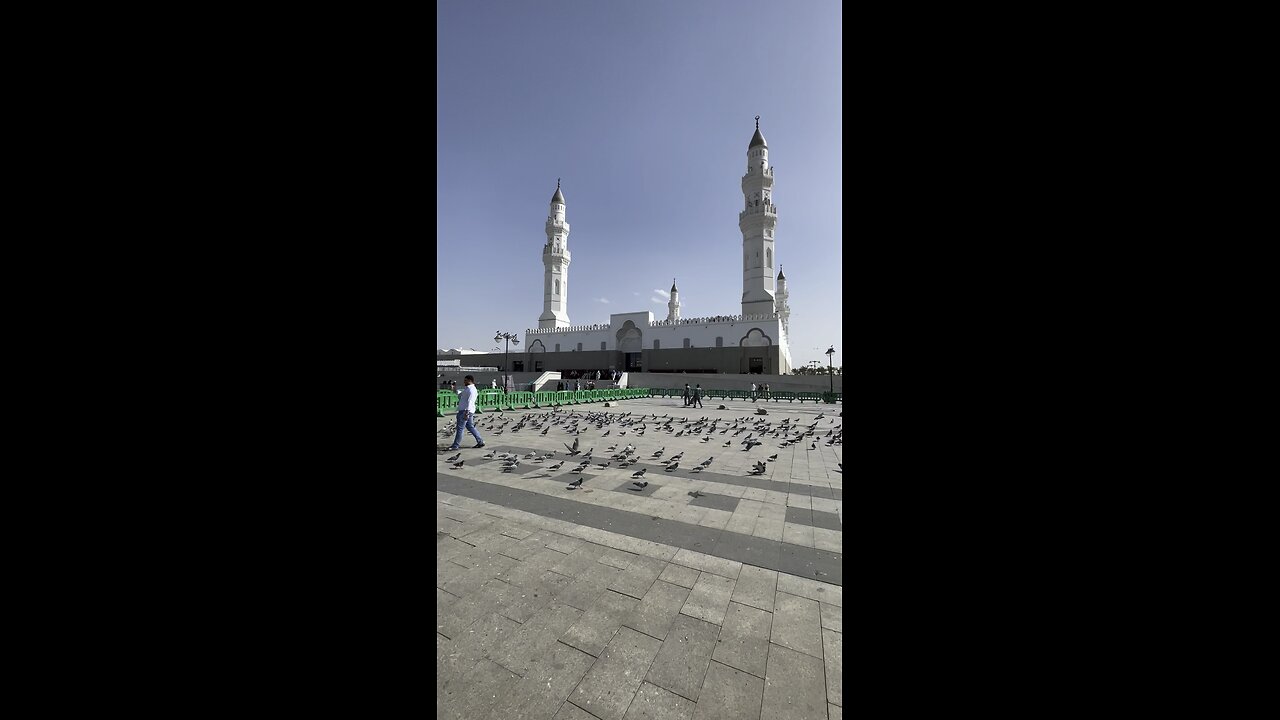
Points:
(753, 340)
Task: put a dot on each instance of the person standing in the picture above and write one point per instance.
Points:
(753, 392)
(494, 383)
(697, 395)
(467, 411)
(688, 395)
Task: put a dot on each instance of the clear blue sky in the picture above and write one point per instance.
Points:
(645, 110)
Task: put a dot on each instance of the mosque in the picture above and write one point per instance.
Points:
(753, 341)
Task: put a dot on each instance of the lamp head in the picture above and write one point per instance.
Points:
(514, 341)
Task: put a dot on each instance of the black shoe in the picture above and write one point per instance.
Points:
(478, 446)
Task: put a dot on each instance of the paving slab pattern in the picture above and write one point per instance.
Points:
(603, 603)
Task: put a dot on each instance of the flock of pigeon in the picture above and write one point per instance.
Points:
(573, 423)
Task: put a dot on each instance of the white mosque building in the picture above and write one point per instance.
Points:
(752, 341)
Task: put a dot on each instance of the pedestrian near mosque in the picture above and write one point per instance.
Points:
(466, 411)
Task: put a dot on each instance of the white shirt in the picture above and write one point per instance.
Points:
(467, 398)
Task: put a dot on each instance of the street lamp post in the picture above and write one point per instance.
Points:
(831, 381)
(510, 338)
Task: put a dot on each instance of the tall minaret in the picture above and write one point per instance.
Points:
(673, 305)
(555, 263)
(780, 305)
(757, 222)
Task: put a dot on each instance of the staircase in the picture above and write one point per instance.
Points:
(545, 378)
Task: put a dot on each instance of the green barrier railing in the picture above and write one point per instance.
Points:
(488, 400)
(519, 400)
(814, 396)
(446, 403)
(544, 397)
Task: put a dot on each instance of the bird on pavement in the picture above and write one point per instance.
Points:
(694, 494)
(574, 485)
(727, 443)
(572, 450)
(639, 473)
(644, 484)
(556, 466)
(672, 466)
(602, 466)
(813, 446)
(458, 465)
(659, 452)
(454, 458)
(773, 456)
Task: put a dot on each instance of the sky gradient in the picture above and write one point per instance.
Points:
(644, 110)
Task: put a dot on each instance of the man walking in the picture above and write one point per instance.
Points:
(466, 411)
(697, 395)
(687, 395)
(753, 392)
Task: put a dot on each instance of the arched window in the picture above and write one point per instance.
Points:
(719, 342)
(602, 347)
(768, 256)
(686, 342)
(579, 347)
(655, 344)
(557, 347)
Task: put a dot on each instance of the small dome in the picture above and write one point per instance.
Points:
(673, 285)
(558, 197)
(757, 139)
(780, 275)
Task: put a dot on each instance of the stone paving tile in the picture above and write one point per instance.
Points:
(829, 540)
(473, 698)
(768, 529)
(585, 590)
(729, 694)
(682, 660)
(833, 658)
(832, 617)
(716, 501)
(834, 712)
(707, 563)
(794, 686)
(475, 643)
(448, 571)
(521, 603)
(455, 616)
(448, 548)
(655, 703)
(536, 638)
(812, 589)
(616, 558)
(611, 683)
(744, 639)
(797, 625)
(595, 629)
(795, 534)
(658, 609)
(582, 560)
(569, 711)
(709, 599)
(756, 587)
(638, 577)
(680, 575)
(485, 570)
(546, 686)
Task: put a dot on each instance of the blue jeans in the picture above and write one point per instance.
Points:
(465, 423)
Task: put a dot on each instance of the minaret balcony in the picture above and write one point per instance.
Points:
(766, 209)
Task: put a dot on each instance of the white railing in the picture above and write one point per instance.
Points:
(571, 328)
(715, 319)
(765, 208)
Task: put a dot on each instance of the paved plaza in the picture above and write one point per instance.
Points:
(711, 592)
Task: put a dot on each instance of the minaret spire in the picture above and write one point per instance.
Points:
(555, 263)
(673, 305)
(757, 221)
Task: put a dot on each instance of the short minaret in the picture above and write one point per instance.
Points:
(673, 305)
(555, 264)
(757, 222)
(780, 303)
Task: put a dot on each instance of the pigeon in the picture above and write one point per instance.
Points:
(606, 433)
(639, 473)
(486, 457)
(572, 450)
(727, 443)
(458, 465)
(659, 453)
(644, 484)
(574, 485)
(813, 446)
(773, 457)
(602, 466)
(672, 466)
(556, 466)
(694, 494)
(454, 458)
